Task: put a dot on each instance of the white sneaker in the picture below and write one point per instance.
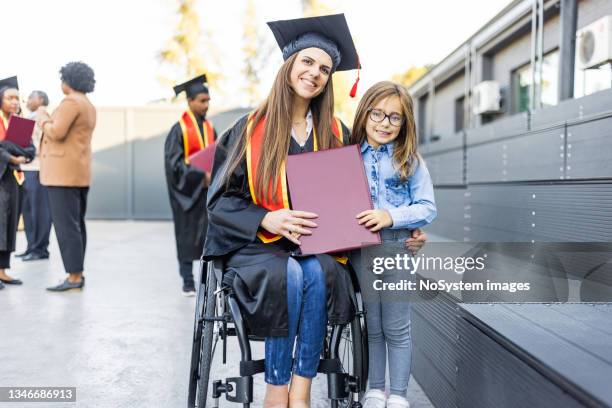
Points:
(374, 399)
(395, 401)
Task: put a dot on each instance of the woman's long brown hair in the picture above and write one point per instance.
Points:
(277, 109)
(405, 154)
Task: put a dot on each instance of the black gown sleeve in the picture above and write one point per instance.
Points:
(233, 218)
(185, 183)
(346, 134)
(8, 149)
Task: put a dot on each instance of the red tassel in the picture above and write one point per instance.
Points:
(354, 88)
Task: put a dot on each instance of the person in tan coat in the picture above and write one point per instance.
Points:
(65, 168)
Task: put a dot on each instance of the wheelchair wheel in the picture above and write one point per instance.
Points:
(201, 358)
(197, 338)
(353, 355)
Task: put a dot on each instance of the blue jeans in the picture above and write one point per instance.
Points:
(306, 303)
(387, 318)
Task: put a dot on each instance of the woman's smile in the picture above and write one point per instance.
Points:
(309, 84)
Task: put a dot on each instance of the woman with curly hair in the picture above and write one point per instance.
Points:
(65, 168)
(11, 156)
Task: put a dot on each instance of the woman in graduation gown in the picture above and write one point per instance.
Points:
(283, 295)
(11, 156)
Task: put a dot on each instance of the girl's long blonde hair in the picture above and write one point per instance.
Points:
(405, 155)
(277, 109)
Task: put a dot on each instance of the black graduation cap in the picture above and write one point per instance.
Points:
(193, 87)
(297, 34)
(9, 83)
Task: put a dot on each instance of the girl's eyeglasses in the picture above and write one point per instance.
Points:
(378, 116)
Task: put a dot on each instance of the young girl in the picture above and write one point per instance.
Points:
(402, 194)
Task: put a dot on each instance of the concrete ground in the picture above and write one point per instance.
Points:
(125, 340)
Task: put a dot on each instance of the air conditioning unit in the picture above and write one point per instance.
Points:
(486, 98)
(594, 43)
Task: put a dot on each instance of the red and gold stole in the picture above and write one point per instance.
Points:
(3, 125)
(193, 141)
(253, 153)
(19, 176)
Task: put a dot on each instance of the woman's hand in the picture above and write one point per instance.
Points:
(41, 118)
(16, 160)
(417, 240)
(289, 223)
(375, 220)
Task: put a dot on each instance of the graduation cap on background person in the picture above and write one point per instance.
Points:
(9, 83)
(329, 33)
(192, 87)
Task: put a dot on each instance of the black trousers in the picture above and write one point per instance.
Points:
(36, 214)
(68, 206)
(5, 259)
(186, 271)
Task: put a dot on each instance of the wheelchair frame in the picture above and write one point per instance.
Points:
(218, 316)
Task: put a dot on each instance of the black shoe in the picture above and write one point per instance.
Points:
(11, 281)
(21, 255)
(65, 285)
(189, 289)
(1, 285)
(34, 257)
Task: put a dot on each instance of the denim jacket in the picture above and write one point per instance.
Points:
(411, 203)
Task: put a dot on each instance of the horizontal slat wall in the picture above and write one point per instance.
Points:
(450, 221)
(589, 149)
(490, 376)
(515, 212)
(446, 168)
(434, 334)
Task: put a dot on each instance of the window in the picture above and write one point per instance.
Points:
(459, 114)
(588, 81)
(422, 118)
(522, 80)
(550, 79)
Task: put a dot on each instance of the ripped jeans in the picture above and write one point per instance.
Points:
(307, 308)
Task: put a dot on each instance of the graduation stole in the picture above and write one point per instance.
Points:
(193, 141)
(254, 151)
(19, 176)
(3, 125)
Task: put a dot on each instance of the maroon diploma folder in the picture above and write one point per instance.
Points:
(331, 183)
(20, 131)
(203, 159)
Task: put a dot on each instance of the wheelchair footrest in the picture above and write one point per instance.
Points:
(236, 389)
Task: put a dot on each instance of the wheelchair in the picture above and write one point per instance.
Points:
(217, 317)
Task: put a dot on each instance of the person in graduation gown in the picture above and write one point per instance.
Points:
(283, 295)
(11, 178)
(188, 185)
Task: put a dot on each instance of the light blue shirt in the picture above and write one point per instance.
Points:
(411, 203)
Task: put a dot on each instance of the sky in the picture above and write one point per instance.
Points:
(120, 40)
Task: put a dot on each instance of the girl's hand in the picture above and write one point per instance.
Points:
(375, 220)
(289, 223)
(416, 241)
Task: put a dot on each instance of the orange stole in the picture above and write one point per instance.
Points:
(193, 141)
(19, 176)
(3, 126)
(253, 153)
